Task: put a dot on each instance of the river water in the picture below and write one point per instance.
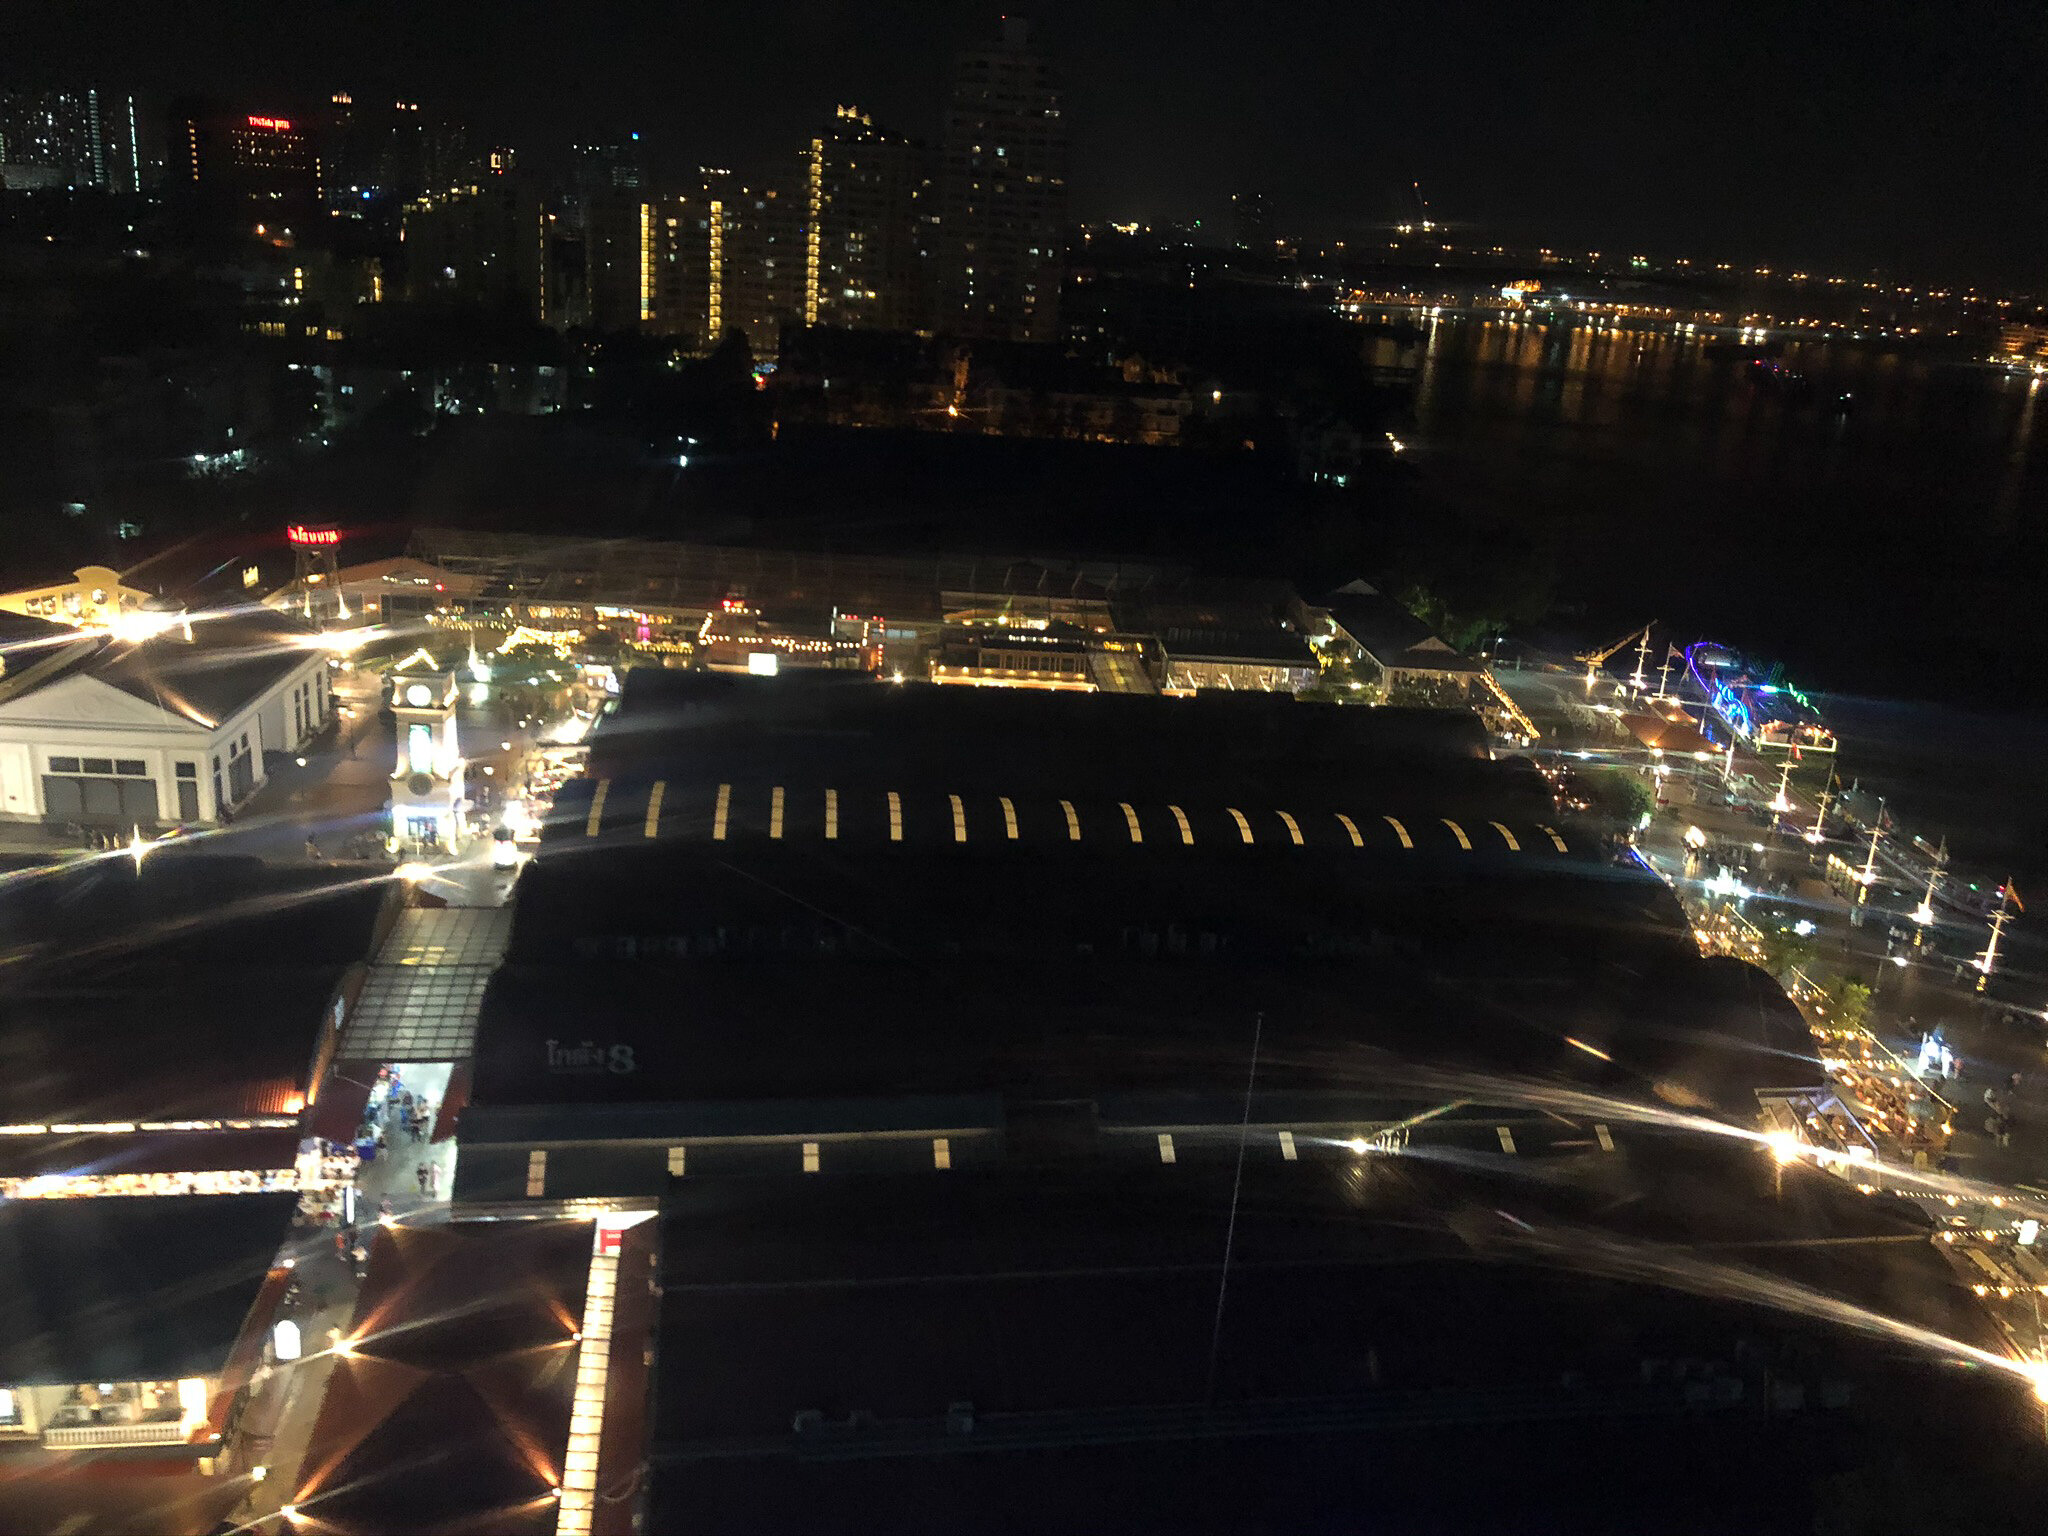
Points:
(1879, 524)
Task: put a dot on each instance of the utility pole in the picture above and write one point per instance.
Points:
(1820, 812)
(1781, 802)
(1923, 915)
(1998, 919)
(1869, 875)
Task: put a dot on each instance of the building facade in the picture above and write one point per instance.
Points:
(758, 263)
(73, 139)
(427, 794)
(1003, 194)
(618, 259)
(485, 243)
(166, 729)
(865, 188)
(257, 169)
(1251, 223)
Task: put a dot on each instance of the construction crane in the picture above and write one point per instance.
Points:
(1593, 659)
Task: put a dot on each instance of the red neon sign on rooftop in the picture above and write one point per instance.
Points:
(278, 123)
(299, 533)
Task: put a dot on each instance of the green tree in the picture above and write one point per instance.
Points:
(1852, 1002)
(1785, 951)
(1617, 794)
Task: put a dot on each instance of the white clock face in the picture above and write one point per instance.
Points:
(419, 695)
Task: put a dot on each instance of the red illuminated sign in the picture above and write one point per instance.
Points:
(279, 124)
(299, 533)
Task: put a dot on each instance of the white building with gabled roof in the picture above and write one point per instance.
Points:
(148, 730)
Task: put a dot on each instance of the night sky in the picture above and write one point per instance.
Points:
(1820, 133)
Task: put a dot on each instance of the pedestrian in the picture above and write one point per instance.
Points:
(2013, 1083)
(312, 849)
(420, 1177)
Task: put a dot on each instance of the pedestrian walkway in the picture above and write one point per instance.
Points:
(410, 1172)
(420, 1000)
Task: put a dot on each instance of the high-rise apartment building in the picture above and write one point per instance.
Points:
(682, 268)
(865, 189)
(617, 221)
(483, 244)
(758, 262)
(392, 149)
(618, 259)
(1251, 223)
(75, 139)
(1003, 194)
(257, 169)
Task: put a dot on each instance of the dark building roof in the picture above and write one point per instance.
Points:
(1267, 647)
(109, 924)
(1392, 635)
(201, 1044)
(900, 588)
(453, 1412)
(819, 728)
(23, 637)
(1468, 1343)
(832, 910)
(131, 1288)
(230, 661)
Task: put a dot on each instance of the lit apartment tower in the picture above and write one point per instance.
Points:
(618, 259)
(1003, 194)
(75, 139)
(864, 188)
(682, 268)
(757, 263)
(618, 227)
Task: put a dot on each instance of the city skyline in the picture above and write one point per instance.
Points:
(1792, 134)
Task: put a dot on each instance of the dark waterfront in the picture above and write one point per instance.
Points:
(1890, 549)
(1892, 544)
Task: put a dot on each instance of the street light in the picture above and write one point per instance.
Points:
(1868, 877)
(1989, 958)
(1819, 815)
(1924, 913)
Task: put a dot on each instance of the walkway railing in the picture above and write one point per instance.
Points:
(169, 1432)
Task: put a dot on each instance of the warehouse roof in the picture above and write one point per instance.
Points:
(452, 1412)
(1041, 1347)
(131, 1289)
(199, 1044)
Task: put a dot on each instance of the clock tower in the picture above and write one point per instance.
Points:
(427, 801)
